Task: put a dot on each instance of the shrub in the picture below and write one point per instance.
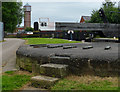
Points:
(29, 29)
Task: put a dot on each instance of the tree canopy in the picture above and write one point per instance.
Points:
(12, 14)
(110, 10)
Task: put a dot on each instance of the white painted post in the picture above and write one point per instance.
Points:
(71, 32)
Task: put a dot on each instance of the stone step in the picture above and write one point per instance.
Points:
(54, 70)
(43, 81)
(59, 59)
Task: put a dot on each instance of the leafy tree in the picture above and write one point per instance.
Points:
(29, 29)
(111, 13)
(12, 14)
(95, 18)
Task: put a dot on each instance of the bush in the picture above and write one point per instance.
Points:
(10, 36)
(27, 35)
(29, 29)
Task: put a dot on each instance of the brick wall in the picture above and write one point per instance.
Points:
(27, 19)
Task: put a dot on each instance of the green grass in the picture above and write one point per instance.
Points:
(47, 41)
(0, 83)
(10, 72)
(66, 84)
(12, 81)
(2, 41)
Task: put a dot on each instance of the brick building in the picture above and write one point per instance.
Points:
(27, 16)
(85, 18)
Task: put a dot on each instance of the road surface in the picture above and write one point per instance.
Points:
(8, 53)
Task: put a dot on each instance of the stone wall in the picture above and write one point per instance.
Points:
(80, 62)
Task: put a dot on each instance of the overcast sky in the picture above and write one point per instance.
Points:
(64, 10)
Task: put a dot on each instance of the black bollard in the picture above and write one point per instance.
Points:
(119, 39)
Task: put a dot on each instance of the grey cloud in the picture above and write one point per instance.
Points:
(62, 11)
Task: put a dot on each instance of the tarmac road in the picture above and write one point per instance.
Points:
(9, 48)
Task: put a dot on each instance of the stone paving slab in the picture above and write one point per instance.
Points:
(43, 81)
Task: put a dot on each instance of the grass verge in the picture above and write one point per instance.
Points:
(47, 41)
(16, 80)
(13, 80)
(86, 83)
(2, 41)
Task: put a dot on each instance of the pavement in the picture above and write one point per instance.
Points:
(8, 53)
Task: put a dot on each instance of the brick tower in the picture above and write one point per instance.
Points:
(27, 16)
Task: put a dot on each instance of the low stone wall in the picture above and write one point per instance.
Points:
(93, 61)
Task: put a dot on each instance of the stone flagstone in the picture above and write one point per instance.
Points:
(43, 81)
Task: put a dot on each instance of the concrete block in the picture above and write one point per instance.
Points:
(107, 48)
(87, 47)
(54, 70)
(69, 47)
(43, 81)
(24, 62)
(36, 68)
(54, 46)
(59, 59)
